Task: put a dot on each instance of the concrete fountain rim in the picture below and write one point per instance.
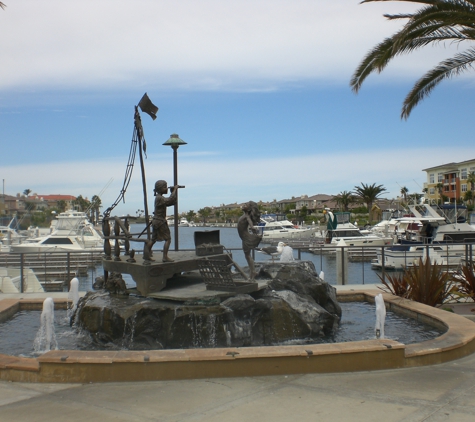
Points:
(72, 366)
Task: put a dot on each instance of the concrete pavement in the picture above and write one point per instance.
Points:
(442, 392)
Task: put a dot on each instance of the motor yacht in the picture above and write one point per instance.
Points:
(72, 233)
(277, 226)
(444, 236)
(340, 228)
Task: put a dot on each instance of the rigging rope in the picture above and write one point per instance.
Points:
(128, 172)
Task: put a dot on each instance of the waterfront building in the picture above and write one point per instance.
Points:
(449, 180)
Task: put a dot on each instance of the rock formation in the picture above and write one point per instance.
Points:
(295, 306)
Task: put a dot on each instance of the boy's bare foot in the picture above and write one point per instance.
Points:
(166, 259)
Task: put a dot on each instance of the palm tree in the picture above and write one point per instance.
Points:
(27, 192)
(81, 203)
(404, 192)
(344, 199)
(436, 22)
(190, 215)
(2, 5)
(440, 187)
(471, 180)
(96, 205)
(205, 213)
(61, 205)
(369, 193)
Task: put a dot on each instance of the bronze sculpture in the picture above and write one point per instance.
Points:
(161, 231)
(248, 233)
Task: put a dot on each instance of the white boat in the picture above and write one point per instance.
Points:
(397, 225)
(9, 236)
(183, 222)
(277, 226)
(72, 233)
(339, 228)
(437, 238)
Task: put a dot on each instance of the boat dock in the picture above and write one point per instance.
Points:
(52, 269)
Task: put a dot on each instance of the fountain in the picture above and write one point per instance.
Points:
(290, 303)
(45, 338)
(380, 316)
(73, 296)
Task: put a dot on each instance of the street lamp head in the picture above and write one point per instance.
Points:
(174, 141)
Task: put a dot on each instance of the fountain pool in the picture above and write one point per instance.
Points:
(74, 366)
(17, 334)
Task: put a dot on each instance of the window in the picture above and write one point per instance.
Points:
(431, 191)
(440, 177)
(463, 173)
(431, 178)
(464, 187)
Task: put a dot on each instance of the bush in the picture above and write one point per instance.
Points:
(426, 283)
(395, 284)
(465, 280)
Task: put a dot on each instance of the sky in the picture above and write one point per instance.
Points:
(258, 89)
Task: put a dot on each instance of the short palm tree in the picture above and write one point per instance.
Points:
(471, 180)
(344, 199)
(404, 192)
(440, 189)
(435, 22)
(369, 193)
(96, 204)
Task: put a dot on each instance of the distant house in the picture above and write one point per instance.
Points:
(13, 204)
(20, 204)
(52, 200)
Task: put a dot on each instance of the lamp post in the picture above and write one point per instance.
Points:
(174, 141)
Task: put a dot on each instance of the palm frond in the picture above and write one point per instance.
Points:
(446, 69)
(437, 21)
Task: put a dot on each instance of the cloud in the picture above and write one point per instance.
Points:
(188, 44)
(212, 182)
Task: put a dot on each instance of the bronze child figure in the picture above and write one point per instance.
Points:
(161, 231)
(248, 233)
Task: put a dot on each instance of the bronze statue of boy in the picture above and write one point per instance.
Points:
(161, 231)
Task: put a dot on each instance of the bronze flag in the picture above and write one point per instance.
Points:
(148, 107)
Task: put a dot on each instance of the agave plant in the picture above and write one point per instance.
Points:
(428, 283)
(394, 284)
(465, 280)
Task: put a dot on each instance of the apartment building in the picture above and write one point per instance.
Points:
(449, 180)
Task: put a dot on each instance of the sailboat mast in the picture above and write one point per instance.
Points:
(138, 128)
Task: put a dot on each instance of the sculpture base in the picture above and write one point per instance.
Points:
(152, 276)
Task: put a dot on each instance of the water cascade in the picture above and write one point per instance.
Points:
(73, 295)
(380, 316)
(45, 338)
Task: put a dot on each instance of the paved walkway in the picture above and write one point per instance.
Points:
(434, 393)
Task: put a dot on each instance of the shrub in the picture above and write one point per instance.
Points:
(465, 280)
(394, 284)
(428, 283)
